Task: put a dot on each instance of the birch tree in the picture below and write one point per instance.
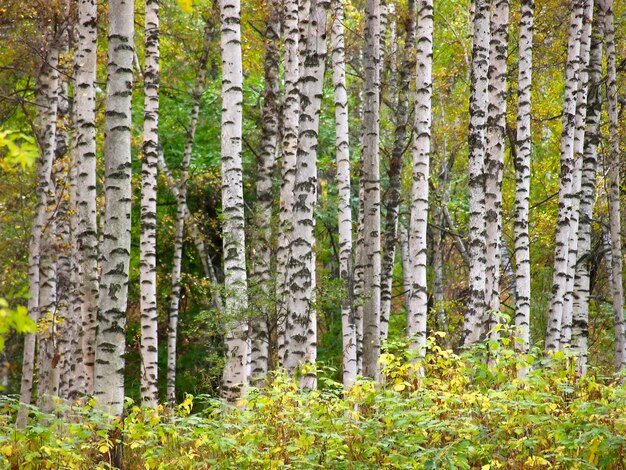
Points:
(474, 317)
(289, 147)
(418, 300)
(614, 191)
(579, 137)
(301, 326)
(46, 97)
(344, 211)
(559, 279)
(85, 157)
(147, 244)
(522, 175)
(393, 195)
(371, 191)
(116, 226)
(235, 377)
(48, 378)
(581, 294)
(262, 262)
(69, 329)
(494, 156)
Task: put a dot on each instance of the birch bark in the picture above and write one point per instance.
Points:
(301, 321)
(522, 175)
(147, 243)
(614, 191)
(559, 278)
(116, 226)
(85, 156)
(474, 317)
(342, 142)
(579, 137)
(46, 89)
(418, 300)
(289, 146)
(371, 191)
(494, 157)
(235, 377)
(261, 266)
(581, 294)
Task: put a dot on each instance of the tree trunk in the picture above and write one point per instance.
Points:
(581, 294)
(46, 96)
(68, 304)
(393, 195)
(85, 155)
(289, 145)
(49, 321)
(522, 176)
(262, 262)
(235, 377)
(147, 244)
(579, 137)
(559, 278)
(418, 300)
(614, 192)
(358, 276)
(301, 348)
(494, 158)
(344, 211)
(115, 246)
(474, 317)
(371, 192)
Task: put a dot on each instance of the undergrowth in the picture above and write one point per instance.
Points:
(451, 411)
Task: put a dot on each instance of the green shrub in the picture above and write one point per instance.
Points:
(460, 414)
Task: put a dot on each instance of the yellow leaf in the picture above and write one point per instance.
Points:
(399, 387)
(186, 5)
(6, 450)
(103, 448)
(486, 467)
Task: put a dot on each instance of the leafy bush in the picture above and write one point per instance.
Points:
(460, 413)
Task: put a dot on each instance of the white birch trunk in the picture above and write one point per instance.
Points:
(46, 89)
(68, 304)
(47, 345)
(494, 157)
(522, 176)
(474, 317)
(115, 246)
(344, 211)
(262, 262)
(418, 300)
(358, 278)
(579, 137)
(617, 287)
(580, 312)
(406, 263)
(559, 278)
(147, 243)
(73, 370)
(234, 379)
(47, 361)
(301, 325)
(85, 156)
(371, 191)
(289, 146)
